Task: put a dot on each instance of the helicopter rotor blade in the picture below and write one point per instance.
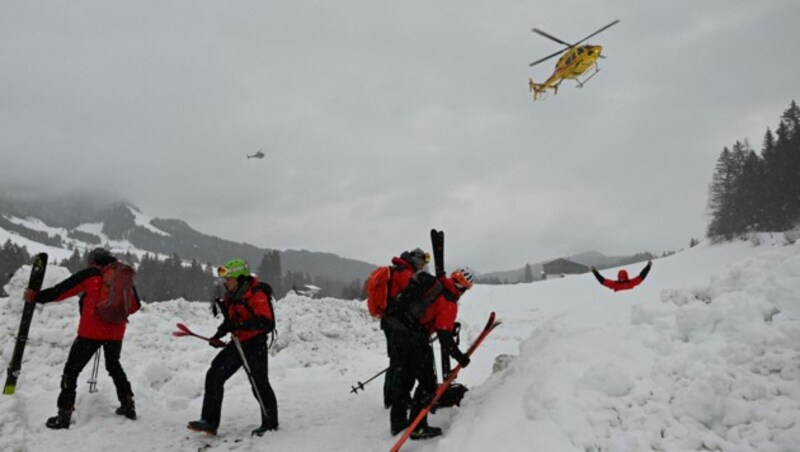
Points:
(549, 56)
(536, 30)
(597, 32)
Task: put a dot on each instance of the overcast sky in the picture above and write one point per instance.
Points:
(382, 120)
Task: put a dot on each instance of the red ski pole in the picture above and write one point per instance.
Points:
(184, 330)
(490, 325)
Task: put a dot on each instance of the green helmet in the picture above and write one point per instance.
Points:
(234, 268)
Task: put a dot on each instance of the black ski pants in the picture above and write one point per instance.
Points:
(225, 364)
(387, 379)
(80, 353)
(414, 364)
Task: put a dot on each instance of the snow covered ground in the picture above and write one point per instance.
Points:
(704, 355)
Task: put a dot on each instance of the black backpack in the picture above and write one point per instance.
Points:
(267, 289)
(410, 305)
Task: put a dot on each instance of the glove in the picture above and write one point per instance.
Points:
(463, 360)
(216, 342)
(30, 295)
(225, 328)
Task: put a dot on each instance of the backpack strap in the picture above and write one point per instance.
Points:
(267, 289)
(413, 301)
(390, 299)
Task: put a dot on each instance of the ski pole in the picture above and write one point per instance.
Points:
(185, 331)
(360, 385)
(249, 375)
(95, 368)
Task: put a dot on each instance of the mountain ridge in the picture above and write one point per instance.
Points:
(65, 219)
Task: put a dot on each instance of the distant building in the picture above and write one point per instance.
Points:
(308, 290)
(560, 267)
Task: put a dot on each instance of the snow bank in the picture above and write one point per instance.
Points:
(713, 367)
(704, 355)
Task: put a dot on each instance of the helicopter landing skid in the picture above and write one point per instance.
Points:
(583, 82)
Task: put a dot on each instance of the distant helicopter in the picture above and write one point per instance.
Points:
(257, 155)
(577, 59)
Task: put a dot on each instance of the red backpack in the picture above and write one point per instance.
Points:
(378, 290)
(117, 298)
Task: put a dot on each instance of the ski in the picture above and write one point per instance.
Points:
(35, 282)
(440, 390)
(437, 243)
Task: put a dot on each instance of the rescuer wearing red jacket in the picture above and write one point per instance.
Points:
(622, 282)
(93, 333)
(413, 352)
(403, 270)
(249, 317)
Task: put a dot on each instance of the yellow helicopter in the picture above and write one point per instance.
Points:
(575, 61)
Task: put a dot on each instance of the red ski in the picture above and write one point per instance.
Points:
(490, 325)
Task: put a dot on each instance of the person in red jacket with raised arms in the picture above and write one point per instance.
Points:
(249, 317)
(93, 333)
(623, 282)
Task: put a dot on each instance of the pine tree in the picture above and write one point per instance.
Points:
(527, 277)
(269, 271)
(749, 192)
(12, 257)
(720, 201)
(772, 195)
(75, 262)
(791, 150)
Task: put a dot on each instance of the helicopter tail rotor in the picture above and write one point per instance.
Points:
(539, 90)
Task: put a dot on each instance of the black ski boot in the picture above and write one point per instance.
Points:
(263, 429)
(127, 408)
(398, 427)
(425, 432)
(59, 421)
(202, 426)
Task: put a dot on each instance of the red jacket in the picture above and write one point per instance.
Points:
(442, 313)
(87, 282)
(622, 282)
(401, 276)
(254, 303)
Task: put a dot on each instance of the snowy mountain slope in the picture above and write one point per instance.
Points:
(123, 228)
(69, 243)
(704, 355)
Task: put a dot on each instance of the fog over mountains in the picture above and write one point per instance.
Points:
(80, 221)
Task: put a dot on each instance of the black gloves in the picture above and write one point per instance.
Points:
(463, 360)
(216, 342)
(225, 328)
(646, 270)
(446, 339)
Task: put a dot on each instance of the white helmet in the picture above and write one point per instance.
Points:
(463, 278)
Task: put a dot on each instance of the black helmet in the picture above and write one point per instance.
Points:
(416, 257)
(100, 257)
